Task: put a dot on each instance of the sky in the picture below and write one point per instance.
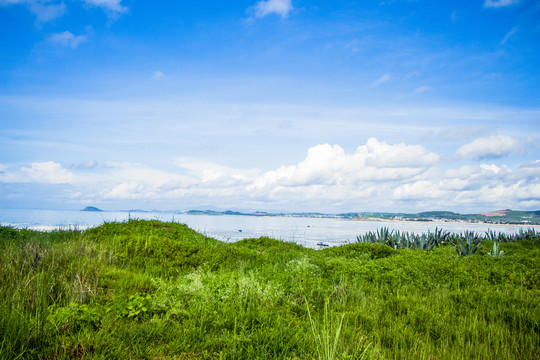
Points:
(273, 105)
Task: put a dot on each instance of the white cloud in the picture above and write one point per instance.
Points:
(7, 176)
(330, 165)
(488, 147)
(499, 3)
(378, 175)
(111, 5)
(381, 154)
(267, 7)
(66, 38)
(418, 190)
(90, 164)
(328, 172)
(422, 89)
(484, 186)
(47, 172)
(509, 35)
(470, 178)
(43, 9)
(128, 190)
(47, 12)
(382, 80)
(210, 174)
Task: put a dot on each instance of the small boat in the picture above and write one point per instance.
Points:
(239, 230)
(322, 244)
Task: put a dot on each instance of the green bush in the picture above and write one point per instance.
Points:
(375, 251)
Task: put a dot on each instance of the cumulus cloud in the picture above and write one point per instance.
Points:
(128, 190)
(469, 178)
(377, 176)
(66, 38)
(488, 147)
(486, 185)
(418, 190)
(210, 174)
(47, 172)
(327, 172)
(499, 3)
(329, 165)
(267, 7)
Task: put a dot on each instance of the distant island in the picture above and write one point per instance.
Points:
(508, 217)
(91, 208)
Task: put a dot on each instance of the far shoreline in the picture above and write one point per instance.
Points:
(440, 222)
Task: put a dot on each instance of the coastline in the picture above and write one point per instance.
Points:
(442, 222)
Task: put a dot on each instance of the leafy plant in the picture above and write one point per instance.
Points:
(137, 306)
(496, 252)
(73, 317)
(467, 243)
(404, 240)
(439, 236)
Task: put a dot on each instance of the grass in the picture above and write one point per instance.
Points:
(153, 290)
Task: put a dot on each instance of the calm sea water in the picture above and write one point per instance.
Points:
(305, 231)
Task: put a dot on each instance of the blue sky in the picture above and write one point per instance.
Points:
(276, 105)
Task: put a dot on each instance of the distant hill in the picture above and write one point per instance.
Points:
(91, 208)
(494, 217)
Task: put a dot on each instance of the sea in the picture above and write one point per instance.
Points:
(312, 232)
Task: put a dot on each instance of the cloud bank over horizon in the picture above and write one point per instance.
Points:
(377, 176)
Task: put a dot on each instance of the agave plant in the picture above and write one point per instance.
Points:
(467, 243)
(384, 235)
(439, 236)
(403, 240)
(500, 237)
(527, 234)
(424, 242)
(393, 241)
(367, 238)
(496, 252)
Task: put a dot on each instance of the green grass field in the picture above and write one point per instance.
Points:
(154, 290)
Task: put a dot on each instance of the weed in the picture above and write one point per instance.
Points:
(326, 335)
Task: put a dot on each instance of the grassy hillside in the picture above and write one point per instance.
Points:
(153, 290)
